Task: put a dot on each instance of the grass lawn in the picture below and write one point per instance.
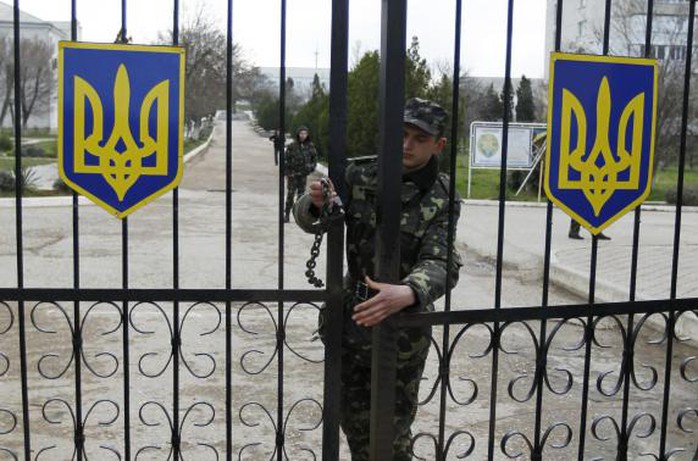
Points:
(191, 144)
(8, 163)
(485, 183)
(34, 193)
(50, 147)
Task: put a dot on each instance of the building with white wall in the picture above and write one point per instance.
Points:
(583, 28)
(32, 28)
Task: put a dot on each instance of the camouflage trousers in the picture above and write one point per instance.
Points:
(295, 187)
(356, 404)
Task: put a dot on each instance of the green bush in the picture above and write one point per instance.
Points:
(60, 186)
(6, 143)
(33, 151)
(29, 178)
(205, 132)
(7, 181)
(690, 196)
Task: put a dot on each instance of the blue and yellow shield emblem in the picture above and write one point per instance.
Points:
(601, 123)
(120, 128)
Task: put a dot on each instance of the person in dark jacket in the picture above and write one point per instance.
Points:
(301, 160)
(424, 276)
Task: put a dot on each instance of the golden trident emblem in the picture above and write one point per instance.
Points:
(121, 157)
(599, 173)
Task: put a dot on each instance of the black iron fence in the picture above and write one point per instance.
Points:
(175, 373)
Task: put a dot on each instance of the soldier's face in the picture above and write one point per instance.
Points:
(418, 146)
(302, 135)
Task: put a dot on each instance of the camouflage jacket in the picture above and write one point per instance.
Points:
(424, 231)
(301, 158)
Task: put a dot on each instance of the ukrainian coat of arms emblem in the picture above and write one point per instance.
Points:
(600, 140)
(121, 110)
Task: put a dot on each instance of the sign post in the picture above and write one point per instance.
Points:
(486, 146)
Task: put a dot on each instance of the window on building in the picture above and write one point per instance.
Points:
(581, 28)
(677, 52)
(659, 51)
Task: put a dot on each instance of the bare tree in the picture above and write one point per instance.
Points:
(205, 73)
(6, 77)
(669, 35)
(34, 78)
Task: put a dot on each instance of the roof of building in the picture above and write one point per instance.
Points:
(7, 14)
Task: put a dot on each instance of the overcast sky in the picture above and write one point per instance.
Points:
(256, 25)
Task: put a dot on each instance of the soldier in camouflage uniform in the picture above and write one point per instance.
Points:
(301, 160)
(423, 272)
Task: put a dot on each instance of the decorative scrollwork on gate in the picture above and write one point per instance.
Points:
(539, 364)
(565, 373)
(105, 406)
(152, 357)
(295, 331)
(545, 440)
(634, 428)
(8, 420)
(250, 419)
(198, 415)
(8, 423)
(294, 349)
(6, 321)
(244, 320)
(468, 395)
(248, 356)
(45, 324)
(629, 355)
(462, 442)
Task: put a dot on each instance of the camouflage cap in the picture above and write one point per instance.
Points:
(425, 115)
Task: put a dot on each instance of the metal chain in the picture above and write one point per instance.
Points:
(314, 252)
(319, 233)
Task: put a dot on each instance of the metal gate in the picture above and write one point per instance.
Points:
(81, 375)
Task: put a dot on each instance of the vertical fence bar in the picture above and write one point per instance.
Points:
(77, 331)
(628, 352)
(280, 334)
(125, 340)
(588, 336)
(542, 358)
(444, 369)
(176, 330)
(228, 233)
(391, 87)
(500, 231)
(588, 327)
(17, 113)
(124, 313)
(677, 231)
(335, 236)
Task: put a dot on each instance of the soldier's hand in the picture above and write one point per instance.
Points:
(316, 195)
(389, 300)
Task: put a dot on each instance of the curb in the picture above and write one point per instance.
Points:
(199, 149)
(63, 200)
(651, 206)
